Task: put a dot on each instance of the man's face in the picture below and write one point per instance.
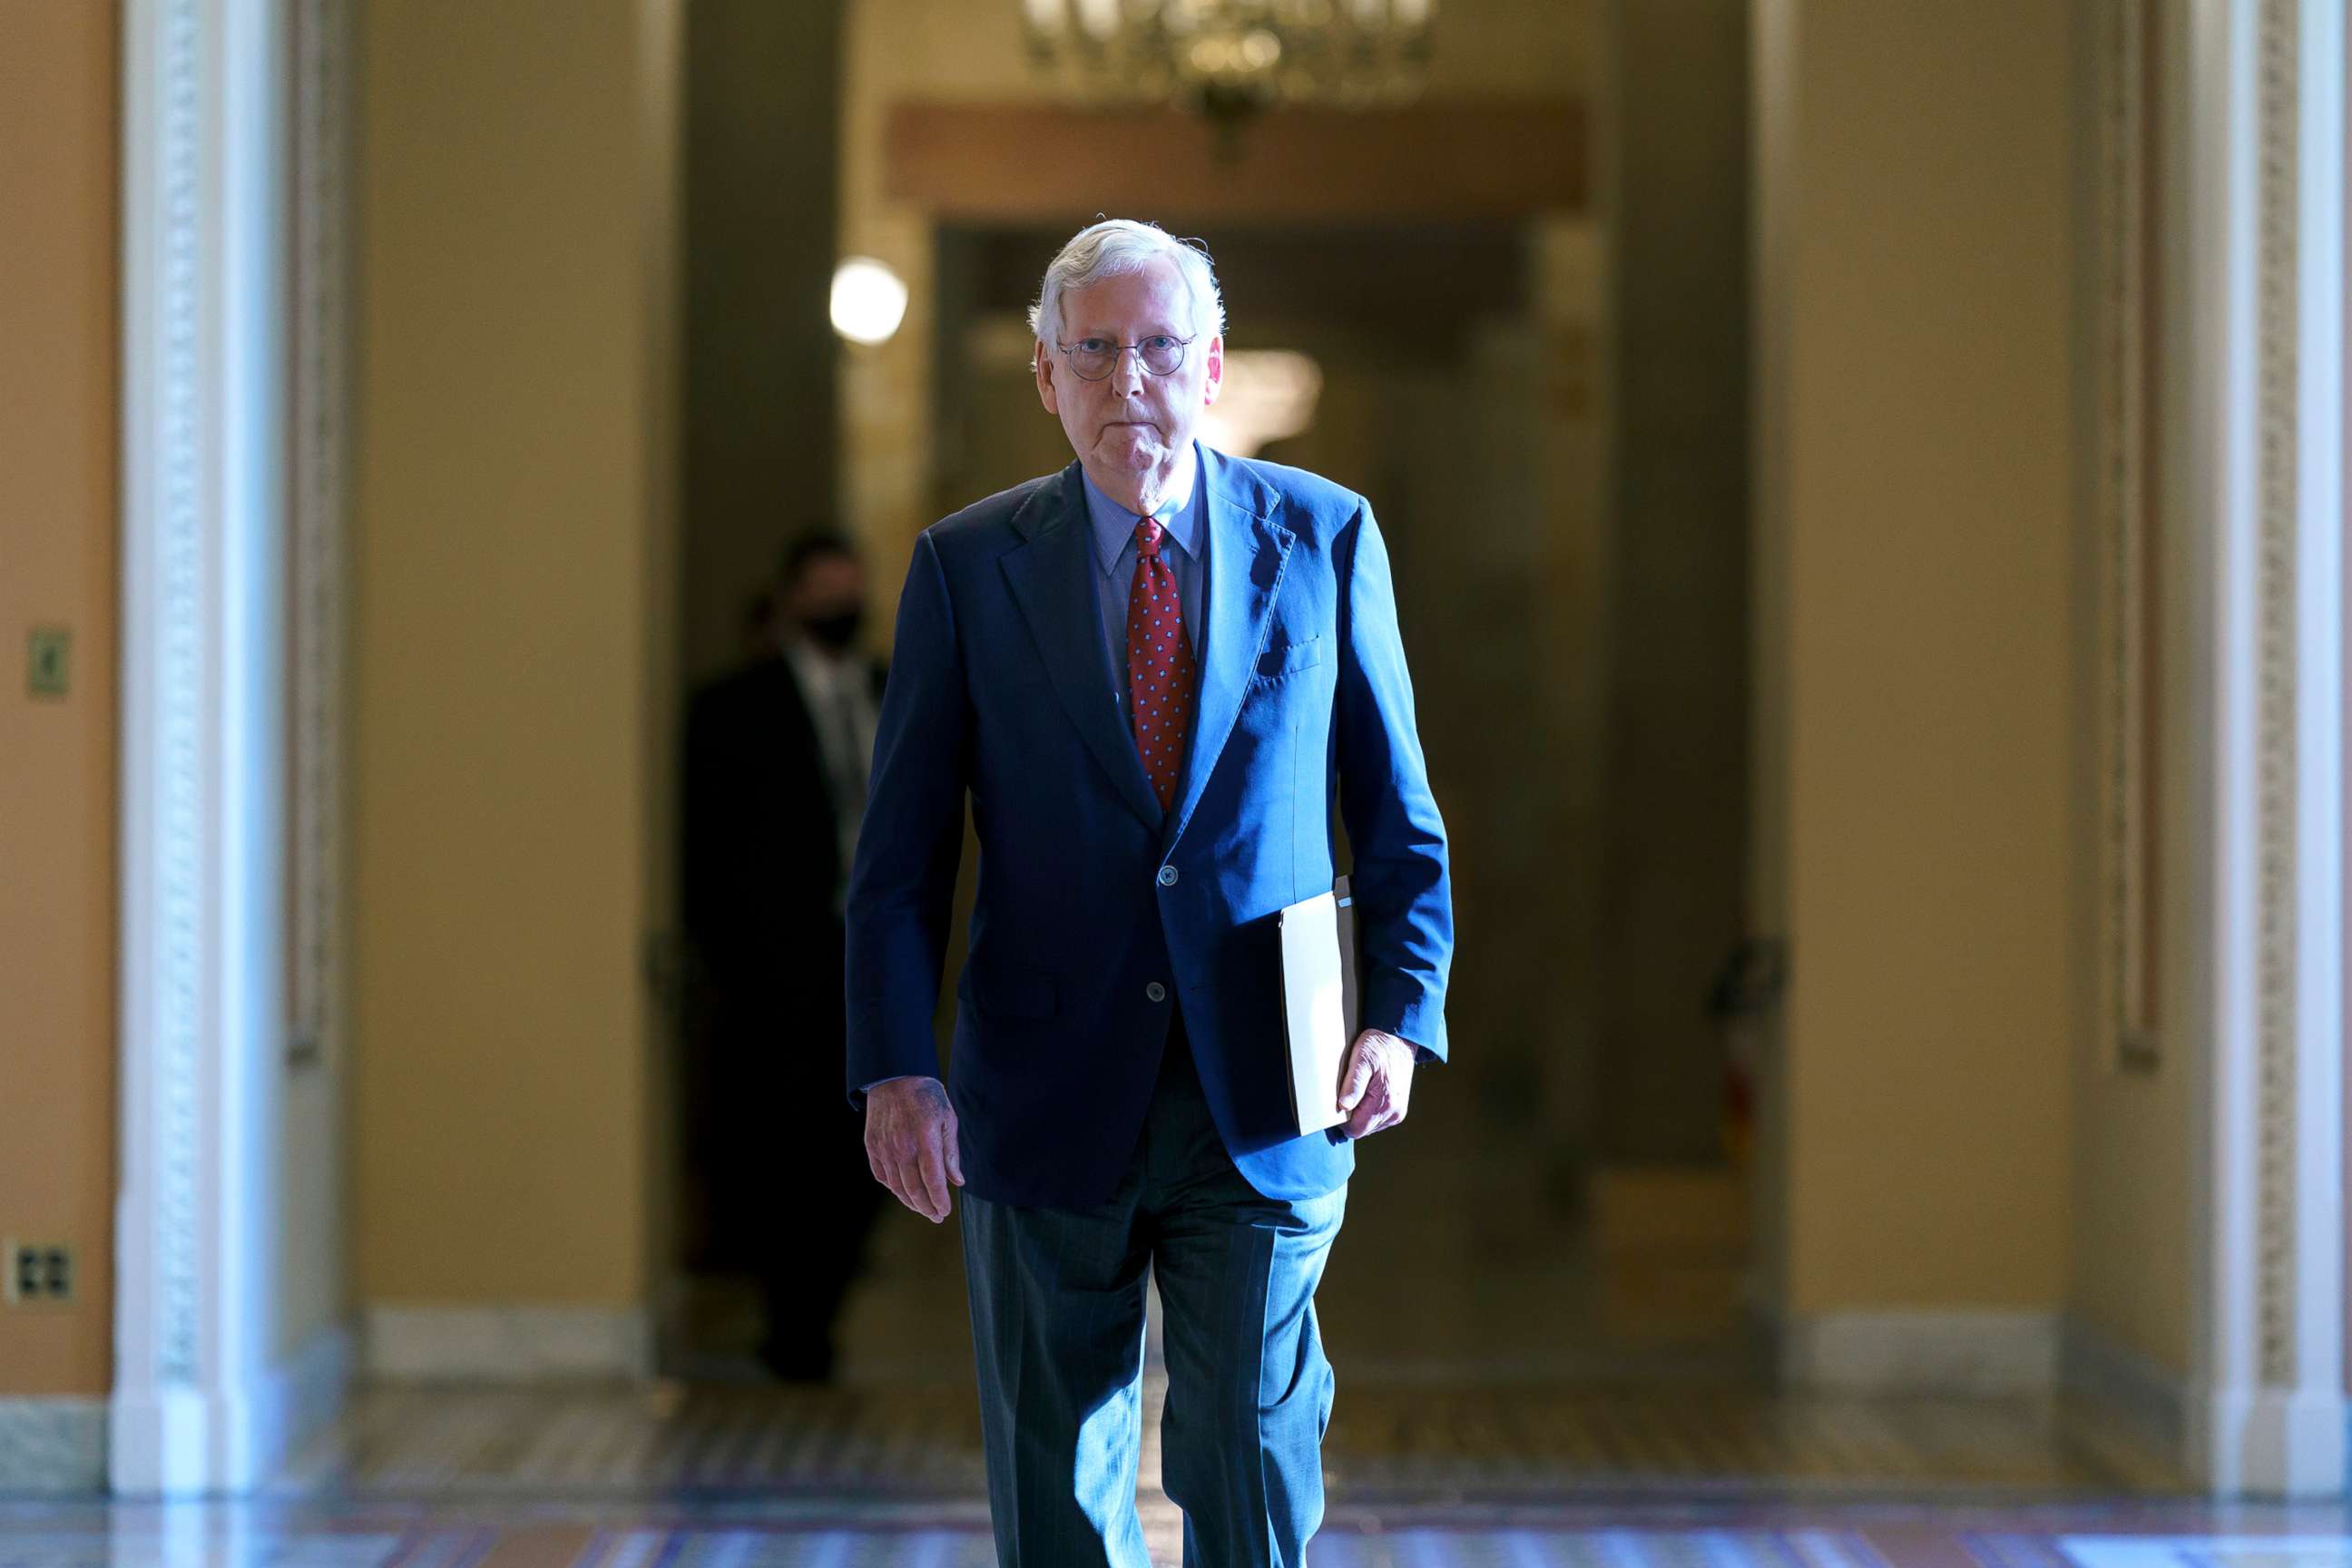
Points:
(828, 598)
(1130, 422)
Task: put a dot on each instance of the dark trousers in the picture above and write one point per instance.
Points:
(1058, 1308)
(781, 1156)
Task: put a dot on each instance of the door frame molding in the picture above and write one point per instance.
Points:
(230, 783)
(2264, 492)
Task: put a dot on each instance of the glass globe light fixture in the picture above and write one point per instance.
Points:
(869, 300)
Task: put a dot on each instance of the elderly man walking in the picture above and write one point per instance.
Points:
(1149, 674)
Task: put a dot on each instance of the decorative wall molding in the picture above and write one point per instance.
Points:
(2278, 327)
(2267, 1412)
(202, 785)
(180, 563)
(517, 1342)
(2129, 500)
(320, 148)
(1987, 1351)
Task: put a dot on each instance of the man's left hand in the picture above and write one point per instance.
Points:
(1377, 1083)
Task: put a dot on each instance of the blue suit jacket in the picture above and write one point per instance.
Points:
(1091, 898)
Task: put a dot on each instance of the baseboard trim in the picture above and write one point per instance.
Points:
(517, 1343)
(1988, 1350)
(305, 1393)
(52, 1446)
(2270, 1443)
(2118, 1382)
(183, 1441)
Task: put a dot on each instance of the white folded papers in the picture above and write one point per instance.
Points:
(1319, 1002)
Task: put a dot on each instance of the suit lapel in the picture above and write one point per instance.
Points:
(1051, 579)
(1248, 553)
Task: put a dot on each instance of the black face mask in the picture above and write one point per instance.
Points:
(836, 631)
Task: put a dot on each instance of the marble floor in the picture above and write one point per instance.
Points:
(1422, 1476)
(1518, 1387)
(1686, 1472)
(1389, 1445)
(775, 1533)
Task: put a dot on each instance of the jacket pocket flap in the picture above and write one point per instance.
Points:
(1291, 655)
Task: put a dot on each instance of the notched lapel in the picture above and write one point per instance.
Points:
(1248, 552)
(1051, 579)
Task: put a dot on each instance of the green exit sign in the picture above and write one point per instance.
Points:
(49, 664)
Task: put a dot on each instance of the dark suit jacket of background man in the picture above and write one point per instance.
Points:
(762, 862)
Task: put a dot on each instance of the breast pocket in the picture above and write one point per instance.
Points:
(1277, 662)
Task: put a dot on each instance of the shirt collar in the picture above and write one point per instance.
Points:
(1115, 525)
(815, 664)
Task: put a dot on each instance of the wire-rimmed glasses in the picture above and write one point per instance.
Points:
(1095, 358)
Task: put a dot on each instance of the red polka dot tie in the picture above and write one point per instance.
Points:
(1158, 665)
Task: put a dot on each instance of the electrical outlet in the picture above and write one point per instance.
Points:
(40, 1273)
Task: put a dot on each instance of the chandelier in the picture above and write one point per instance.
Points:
(1229, 60)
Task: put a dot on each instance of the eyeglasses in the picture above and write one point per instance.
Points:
(1095, 358)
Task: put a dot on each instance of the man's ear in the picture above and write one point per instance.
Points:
(1044, 367)
(1214, 359)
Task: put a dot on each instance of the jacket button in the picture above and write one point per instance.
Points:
(1167, 875)
(1156, 991)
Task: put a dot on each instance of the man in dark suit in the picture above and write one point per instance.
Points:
(777, 755)
(1150, 675)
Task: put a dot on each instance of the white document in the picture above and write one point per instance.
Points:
(1318, 1000)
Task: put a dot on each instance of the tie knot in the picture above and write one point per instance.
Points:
(1148, 534)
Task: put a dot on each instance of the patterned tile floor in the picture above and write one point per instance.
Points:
(1387, 1442)
(747, 1533)
(1422, 1477)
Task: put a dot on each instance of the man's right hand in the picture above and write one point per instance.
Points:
(910, 1143)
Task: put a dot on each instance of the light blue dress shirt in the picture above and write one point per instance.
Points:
(1117, 555)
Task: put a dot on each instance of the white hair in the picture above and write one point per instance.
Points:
(1118, 248)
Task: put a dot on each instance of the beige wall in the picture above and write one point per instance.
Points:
(1674, 773)
(762, 159)
(1914, 479)
(513, 646)
(58, 404)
